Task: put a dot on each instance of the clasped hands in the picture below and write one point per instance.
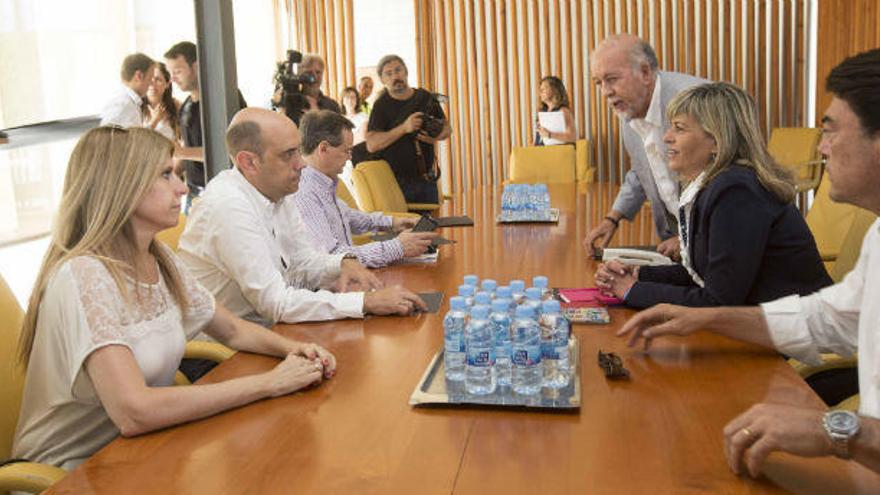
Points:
(614, 278)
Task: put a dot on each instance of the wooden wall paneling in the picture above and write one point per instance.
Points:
(482, 105)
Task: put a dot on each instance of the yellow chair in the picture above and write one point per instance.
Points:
(584, 172)
(377, 189)
(344, 194)
(797, 149)
(548, 164)
(171, 237)
(198, 349)
(19, 476)
(851, 246)
(829, 222)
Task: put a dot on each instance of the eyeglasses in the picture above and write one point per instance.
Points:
(612, 365)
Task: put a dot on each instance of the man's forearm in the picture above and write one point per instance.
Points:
(740, 323)
(378, 141)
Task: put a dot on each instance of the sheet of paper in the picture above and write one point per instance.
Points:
(553, 122)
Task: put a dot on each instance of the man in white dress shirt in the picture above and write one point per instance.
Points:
(245, 245)
(626, 70)
(124, 109)
(843, 318)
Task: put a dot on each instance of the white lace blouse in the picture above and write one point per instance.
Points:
(62, 421)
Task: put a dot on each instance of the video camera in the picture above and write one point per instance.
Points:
(292, 86)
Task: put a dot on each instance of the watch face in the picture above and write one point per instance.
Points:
(842, 421)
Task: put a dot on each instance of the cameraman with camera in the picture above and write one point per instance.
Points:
(299, 90)
(404, 126)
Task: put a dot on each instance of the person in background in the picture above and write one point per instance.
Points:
(405, 125)
(843, 319)
(351, 103)
(311, 98)
(742, 239)
(330, 223)
(626, 69)
(162, 109)
(112, 309)
(125, 108)
(365, 90)
(182, 61)
(554, 98)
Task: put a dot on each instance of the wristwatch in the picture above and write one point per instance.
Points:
(841, 427)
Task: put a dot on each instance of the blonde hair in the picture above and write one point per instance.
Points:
(728, 114)
(109, 173)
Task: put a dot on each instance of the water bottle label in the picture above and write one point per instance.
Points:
(526, 355)
(549, 350)
(454, 345)
(481, 357)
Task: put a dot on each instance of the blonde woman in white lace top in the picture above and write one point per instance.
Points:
(112, 309)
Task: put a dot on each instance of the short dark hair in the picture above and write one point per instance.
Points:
(133, 63)
(857, 81)
(322, 125)
(244, 136)
(187, 49)
(387, 59)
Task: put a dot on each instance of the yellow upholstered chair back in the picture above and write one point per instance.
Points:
(362, 190)
(829, 221)
(344, 194)
(171, 237)
(548, 164)
(851, 246)
(383, 189)
(11, 373)
(584, 171)
(797, 149)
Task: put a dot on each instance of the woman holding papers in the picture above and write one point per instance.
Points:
(112, 309)
(742, 239)
(555, 123)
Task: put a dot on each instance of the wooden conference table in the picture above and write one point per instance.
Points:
(658, 433)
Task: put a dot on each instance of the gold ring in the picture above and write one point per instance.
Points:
(747, 431)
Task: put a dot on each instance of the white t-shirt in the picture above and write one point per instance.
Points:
(62, 421)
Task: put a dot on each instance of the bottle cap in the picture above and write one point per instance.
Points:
(483, 297)
(551, 306)
(457, 303)
(539, 281)
(489, 285)
(524, 312)
(533, 293)
(471, 280)
(466, 290)
(503, 292)
(480, 312)
(518, 285)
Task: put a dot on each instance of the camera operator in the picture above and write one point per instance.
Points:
(306, 95)
(404, 126)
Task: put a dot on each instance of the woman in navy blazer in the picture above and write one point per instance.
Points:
(742, 239)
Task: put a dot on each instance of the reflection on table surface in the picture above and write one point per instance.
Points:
(659, 432)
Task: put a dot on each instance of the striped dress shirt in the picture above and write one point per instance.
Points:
(330, 222)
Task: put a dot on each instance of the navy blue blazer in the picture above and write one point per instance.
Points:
(746, 245)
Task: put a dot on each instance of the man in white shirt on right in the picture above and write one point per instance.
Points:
(245, 245)
(843, 318)
(125, 108)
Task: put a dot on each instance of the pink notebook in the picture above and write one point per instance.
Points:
(589, 296)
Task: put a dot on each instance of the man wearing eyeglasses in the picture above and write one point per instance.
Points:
(326, 143)
(404, 126)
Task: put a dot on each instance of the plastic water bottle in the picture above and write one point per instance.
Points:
(506, 202)
(479, 339)
(554, 345)
(545, 200)
(500, 318)
(504, 292)
(483, 298)
(467, 292)
(453, 335)
(471, 280)
(527, 373)
(519, 290)
(518, 202)
(534, 202)
(533, 300)
(489, 286)
(541, 282)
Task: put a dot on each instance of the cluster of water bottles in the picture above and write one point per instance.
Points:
(523, 202)
(506, 336)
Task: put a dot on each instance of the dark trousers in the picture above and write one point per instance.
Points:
(419, 190)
